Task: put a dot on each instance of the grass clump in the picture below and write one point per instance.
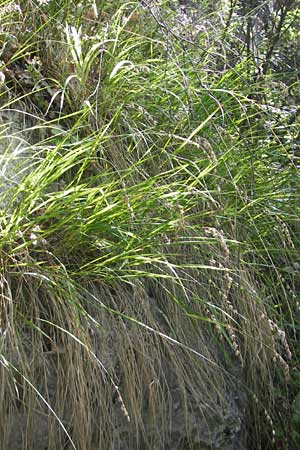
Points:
(149, 245)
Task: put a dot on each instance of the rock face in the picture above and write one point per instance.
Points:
(190, 426)
(165, 398)
(206, 429)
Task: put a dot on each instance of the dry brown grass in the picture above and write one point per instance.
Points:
(96, 361)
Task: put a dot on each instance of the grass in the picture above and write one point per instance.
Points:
(149, 240)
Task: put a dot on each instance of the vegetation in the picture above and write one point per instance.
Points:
(149, 215)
